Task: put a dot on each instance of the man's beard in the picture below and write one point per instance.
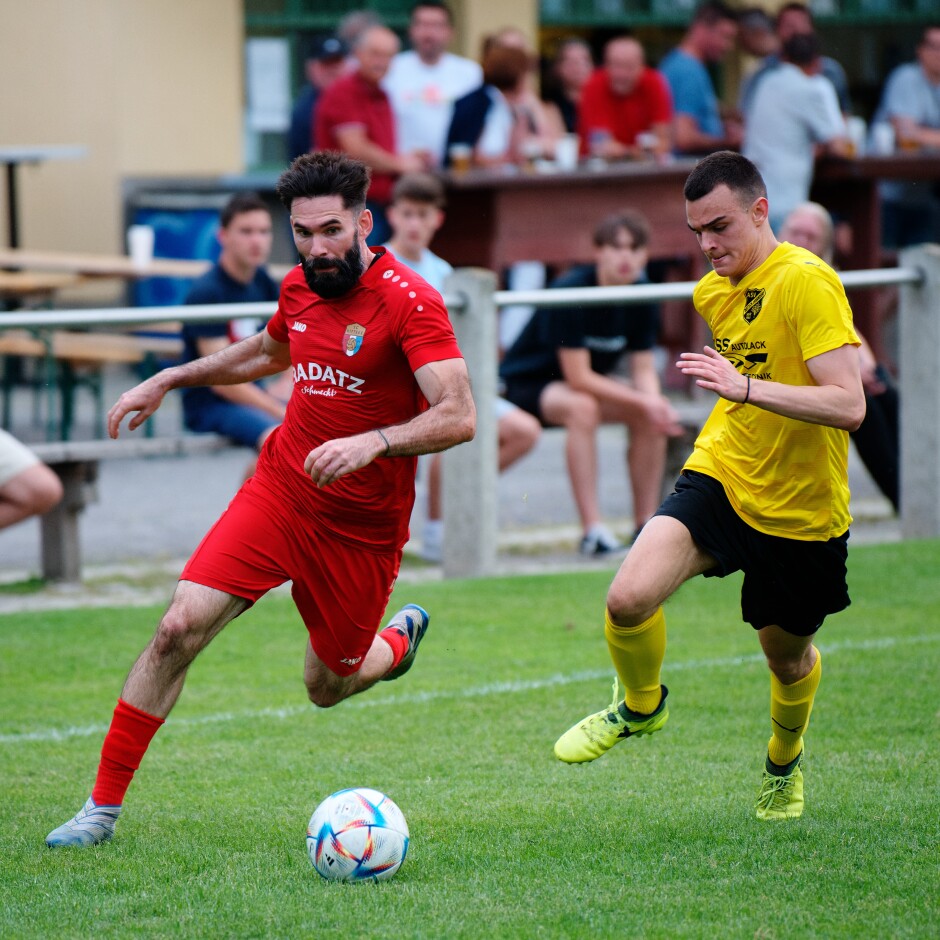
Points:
(335, 283)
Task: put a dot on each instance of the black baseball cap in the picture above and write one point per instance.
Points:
(329, 47)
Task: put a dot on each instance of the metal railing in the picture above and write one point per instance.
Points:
(470, 471)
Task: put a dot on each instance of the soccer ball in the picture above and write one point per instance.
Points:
(357, 835)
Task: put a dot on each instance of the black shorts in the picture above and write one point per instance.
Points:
(788, 582)
(526, 393)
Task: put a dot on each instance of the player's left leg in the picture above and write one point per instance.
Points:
(663, 557)
(345, 655)
(787, 621)
(391, 655)
(795, 670)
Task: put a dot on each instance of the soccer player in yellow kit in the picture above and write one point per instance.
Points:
(765, 490)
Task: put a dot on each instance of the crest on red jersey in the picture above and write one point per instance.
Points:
(352, 339)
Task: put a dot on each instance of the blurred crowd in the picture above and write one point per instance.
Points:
(520, 108)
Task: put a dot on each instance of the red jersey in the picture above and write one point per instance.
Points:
(624, 116)
(353, 362)
(352, 101)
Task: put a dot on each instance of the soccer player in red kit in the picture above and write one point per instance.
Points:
(378, 380)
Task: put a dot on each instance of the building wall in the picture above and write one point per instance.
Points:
(148, 88)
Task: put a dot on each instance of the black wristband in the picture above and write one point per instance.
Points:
(384, 438)
(744, 402)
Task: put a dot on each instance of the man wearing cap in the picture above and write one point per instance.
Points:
(326, 58)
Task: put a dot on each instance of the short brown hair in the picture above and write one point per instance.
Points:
(729, 168)
(419, 187)
(630, 221)
(504, 67)
(239, 204)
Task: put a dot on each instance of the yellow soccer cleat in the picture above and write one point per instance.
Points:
(781, 794)
(598, 733)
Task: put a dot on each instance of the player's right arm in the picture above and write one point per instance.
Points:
(252, 358)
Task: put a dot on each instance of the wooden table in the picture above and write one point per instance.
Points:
(103, 266)
(849, 189)
(41, 286)
(495, 218)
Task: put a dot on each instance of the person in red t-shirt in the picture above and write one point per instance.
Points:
(355, 115)
(378, 380)
(621, 100)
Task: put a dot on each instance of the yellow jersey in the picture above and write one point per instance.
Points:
(783, 476)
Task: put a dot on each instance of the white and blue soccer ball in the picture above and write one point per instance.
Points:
(357, 834)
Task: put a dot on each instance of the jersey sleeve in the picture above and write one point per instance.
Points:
(288, 298)
(820, 313)
(419, 318)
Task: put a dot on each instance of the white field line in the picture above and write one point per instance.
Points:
(46, 735)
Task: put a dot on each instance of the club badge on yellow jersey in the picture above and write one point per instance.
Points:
(753, 301)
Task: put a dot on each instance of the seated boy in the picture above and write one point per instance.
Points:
(561, 369)
(415, 214)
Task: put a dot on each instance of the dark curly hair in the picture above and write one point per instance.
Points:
(325, 173)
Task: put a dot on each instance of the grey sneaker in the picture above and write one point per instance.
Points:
(412, 621)
(91, 825)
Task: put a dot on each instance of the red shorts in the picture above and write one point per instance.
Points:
(340, 589)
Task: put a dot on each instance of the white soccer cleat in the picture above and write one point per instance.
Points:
(91, 825)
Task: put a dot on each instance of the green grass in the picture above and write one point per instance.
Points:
(657, 839)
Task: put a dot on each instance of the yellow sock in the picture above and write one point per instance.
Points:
(638, 654)
(790, 707)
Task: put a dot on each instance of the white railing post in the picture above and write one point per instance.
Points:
(469, 471)
(920, 395)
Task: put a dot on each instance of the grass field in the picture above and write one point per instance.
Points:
(656, 839)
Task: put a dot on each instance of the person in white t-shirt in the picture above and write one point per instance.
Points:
(794, 114)
(424, 81)
(415, 214)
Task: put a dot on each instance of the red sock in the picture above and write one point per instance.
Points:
(398, 640)
(124, 746)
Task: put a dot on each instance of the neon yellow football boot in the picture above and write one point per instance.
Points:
(598, 733)
(781, 790)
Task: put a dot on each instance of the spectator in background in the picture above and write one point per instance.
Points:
(546, 120)
(495, 119)
(794, 114)
(416, 213)
(325, 62)
(877, 440)
(355, 116)
(623, 99)
(796, 19)
(911, 104)
(245, 413)
(571, 67)
(699, 126)
(27, 486)
(561, 370)
(758, 40)
(424, 82)
(352, 25)
(504, 124)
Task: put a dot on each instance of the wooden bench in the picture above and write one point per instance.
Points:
(65, 353)
(77, 463)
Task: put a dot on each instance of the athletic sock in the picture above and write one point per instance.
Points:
(638, 654)
(124, 746)
(790, 707)
(397, 639)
